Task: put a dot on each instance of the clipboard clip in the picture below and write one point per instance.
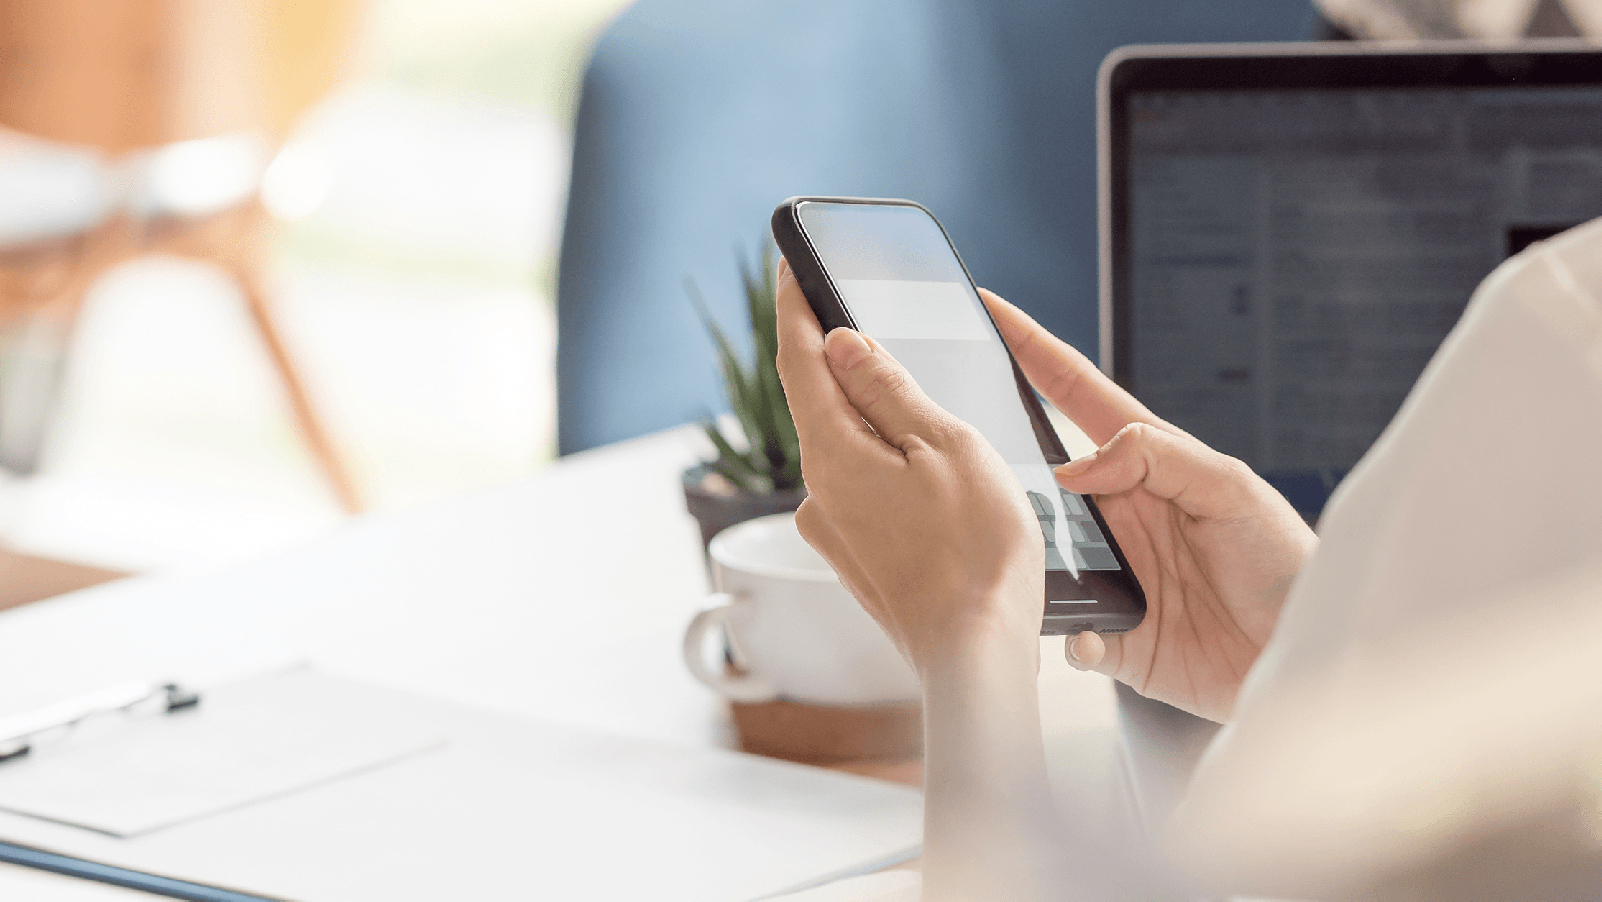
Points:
(19, 733)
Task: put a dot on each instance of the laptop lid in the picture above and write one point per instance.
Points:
(1288, 231)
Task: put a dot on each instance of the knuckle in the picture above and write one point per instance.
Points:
(883, 382)
(959, 435)
(1142, 442)
(809, 520)
(1173, 430)
(1137, 436)
(782, 361)
(815, 469)
(816, 531)
(1233, 481)
(892, 380)
(1235, 469)
(1061, 384)
(963, 443)
(897, 379)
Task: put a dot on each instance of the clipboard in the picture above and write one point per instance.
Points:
(249, 741)
(67, 866)
(295, 709)
(510, 808)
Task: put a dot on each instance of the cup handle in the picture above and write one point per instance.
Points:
(741, 687)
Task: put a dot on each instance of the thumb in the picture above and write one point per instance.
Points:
(1088, 651)
(1200, 481)
(881, 390)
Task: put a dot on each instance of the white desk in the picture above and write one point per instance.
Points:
(561, 597)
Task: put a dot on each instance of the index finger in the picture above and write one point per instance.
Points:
(817, 404)
(1066, 377)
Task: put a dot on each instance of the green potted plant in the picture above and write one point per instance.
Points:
(758, 472)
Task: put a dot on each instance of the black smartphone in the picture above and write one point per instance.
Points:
(888, 269)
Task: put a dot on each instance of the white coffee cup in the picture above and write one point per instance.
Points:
(794, 631)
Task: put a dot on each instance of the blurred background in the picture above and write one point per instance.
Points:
(264, 263)
(267, 263)
(418, 156)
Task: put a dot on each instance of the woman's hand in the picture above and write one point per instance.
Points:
(1214, 546)
(930, 530)
(920, 517)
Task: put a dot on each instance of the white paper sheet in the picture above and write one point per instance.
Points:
(261, 738)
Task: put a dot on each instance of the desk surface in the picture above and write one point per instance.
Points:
(560, 597)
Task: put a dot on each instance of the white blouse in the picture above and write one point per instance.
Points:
(1429, 709)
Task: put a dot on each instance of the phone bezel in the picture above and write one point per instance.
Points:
(1120, 602)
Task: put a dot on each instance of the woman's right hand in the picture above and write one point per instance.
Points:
(1214, 546)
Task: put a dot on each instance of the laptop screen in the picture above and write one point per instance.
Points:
(1294, 257)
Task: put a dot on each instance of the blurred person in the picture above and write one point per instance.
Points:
(1365, 683)
(1485, 20)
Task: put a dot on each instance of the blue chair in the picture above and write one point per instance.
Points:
(698, 116)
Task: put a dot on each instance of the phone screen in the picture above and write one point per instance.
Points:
(901, 282)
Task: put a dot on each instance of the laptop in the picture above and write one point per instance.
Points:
(1289, 230)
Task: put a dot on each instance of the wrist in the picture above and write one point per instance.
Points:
(981, 709)
(984, 636)
(984, 651)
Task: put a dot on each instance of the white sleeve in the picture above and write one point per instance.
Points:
(1379, 730)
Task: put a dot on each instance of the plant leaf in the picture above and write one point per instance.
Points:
(740, 461)
(766, 408)
(731, 464)
(755, 393)
(783, 447)
(759, 300)
(737, 385)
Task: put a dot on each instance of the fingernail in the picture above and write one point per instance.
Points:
(1074, 655)
(784, 266)
(845, 347)
(1075, 467)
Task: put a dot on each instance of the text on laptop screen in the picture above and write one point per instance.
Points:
(1297, 256)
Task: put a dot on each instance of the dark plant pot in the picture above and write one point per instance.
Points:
(718, 510)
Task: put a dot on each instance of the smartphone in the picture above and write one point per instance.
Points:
(888, 269)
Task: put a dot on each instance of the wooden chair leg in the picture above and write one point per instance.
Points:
(39, 339)
(311, 425)
(33, 357)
